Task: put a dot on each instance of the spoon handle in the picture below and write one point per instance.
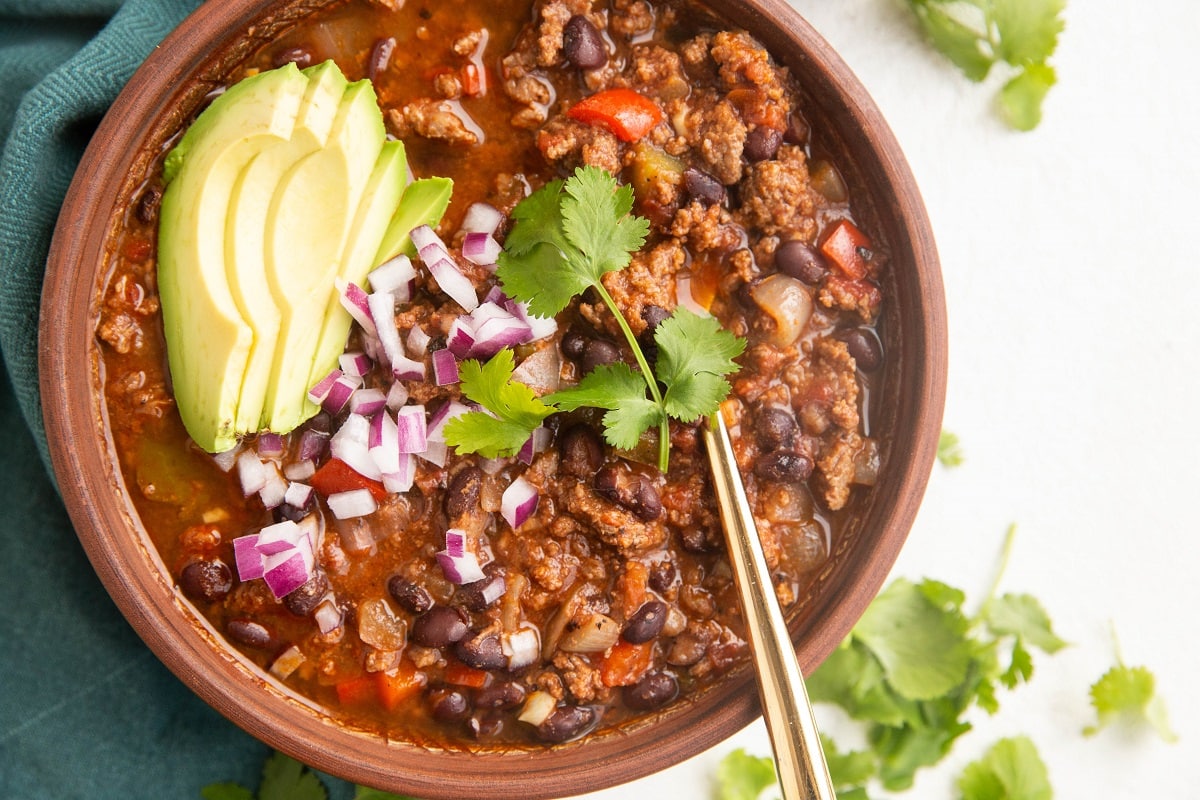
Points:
(803, 773)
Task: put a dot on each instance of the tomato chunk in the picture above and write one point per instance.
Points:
(627, 114)
(356, 691)
(397, 685)
(626, 663)
(460, 674)
(337, 476)
(847, 248)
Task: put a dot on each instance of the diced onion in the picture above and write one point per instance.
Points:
(320, 391)
(538, 706)
(402, 479)
(461, 569)
(367, 401)
(481, 218)
(522, 647)
(288, 662)
(461, 338)
(298, 494)
(354, 503)
(354, 300)
(273, 490)
(456, 285)
(313, 444)
(299, 471)
(383, 443)
(684, 296)
(339, 394)
(277, 538)
(328, 616)
(481, 249)
(226, 461)
(518, 502)
(246, 557)
(788, 302)
(252, 473)
(355, 363)
(287, 571)
(270, 444)
(412, 429)
(351, 445)
(445, 367)
(417, 342)
(393, 277)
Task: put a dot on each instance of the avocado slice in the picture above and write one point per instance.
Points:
(424, 202)
(247, 221)
(309, 223)
(208, 340)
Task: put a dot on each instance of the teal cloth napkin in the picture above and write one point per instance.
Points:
(86, 710)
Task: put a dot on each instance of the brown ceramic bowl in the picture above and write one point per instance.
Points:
(163, 94)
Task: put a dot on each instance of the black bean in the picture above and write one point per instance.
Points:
(784, 466)
(762, 143)
(412, 597)
(321, 423)
(662, 575)
(700, 539)
(566, 723)
(287, 511)
(654, 316)
(501, 694)
(646, 623)
(598, 352)
(250, 633)
(475, 595)
(801, 261)
(583, 47)
(864, 345)
(440, 626)
(580, 451)
(449, 705)
(647, 504)
(652, 691)
(462, 494)
(481, 651)
(304, 601)
(485, 726)
(630, 490)
(703, 188)
(797, 130)
(147, 207)
(206, 579)
(573, 343)
(300, 55)
(381, 56)
(775, 427)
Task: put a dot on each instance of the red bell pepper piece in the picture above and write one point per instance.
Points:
(337, 476)
(847, 248)
(627, 114)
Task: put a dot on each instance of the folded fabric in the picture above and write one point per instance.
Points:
(86, 710)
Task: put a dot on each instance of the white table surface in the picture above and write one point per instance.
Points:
(1073, 289)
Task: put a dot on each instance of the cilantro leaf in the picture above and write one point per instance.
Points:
(694, 355)
(921, 646)
(226, 791)
(517, 410)
(1022, 616)
(597, 220)
(954, 39)
(741, 776)
(622, 391)
(286, 778)
(849, 770)
(1010, 770)
(1128, 694)
(1027, 29)
(1021, 98)
(949, 451)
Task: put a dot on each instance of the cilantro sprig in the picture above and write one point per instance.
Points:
(285, 778)
(566, 237)
(1128, 695)
(976, 35)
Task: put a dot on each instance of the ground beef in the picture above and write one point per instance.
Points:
(612, 524)
(121, 331)
(631, 18)
(648, 281)
(861, 297)
(571, 144)
(581, 678)
(836, 469)
(707, 228)
(552, 18)
(432, 119)
(777, 196)
(716, 133)
(656, 72)
(743, 63)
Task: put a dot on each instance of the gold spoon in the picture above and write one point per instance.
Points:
(803, 773)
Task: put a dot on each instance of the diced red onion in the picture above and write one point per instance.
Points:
(287, 571)
(367, 401)
(461, 338)
(383, 312)
(481, 249)
(518, 502)
(354, 300)
(246, 557)
(300, 470)
(407, 369)
(279, 537)
(320, 391)
(402, 479)
(226, 461)
(456, 285)
(495, 328)
(354, 363)
(339, 394)
(350, 444)
(445, 367)
(313, 527)
(417, 342)
(413, 432)
(270, 444)
(393, 277)
(438, 419)
(298, 495)
(481, 218)
(275, 487)
(328, 616)
(423, 236)
(435, 453)
(312, 444)
(354, 503)
(456, 542)
(492, 465)
(397, 395)
(252, 474)
(383, 443)
(496, 295)
(684, 296)
(535, 444)
(522, 647)
(461, 568)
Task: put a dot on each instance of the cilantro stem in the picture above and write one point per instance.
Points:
(1005, 553)
(664, 429)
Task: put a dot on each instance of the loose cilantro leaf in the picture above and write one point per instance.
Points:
(226, 791)
(1128, 694)
(949, 451)
(1010, 770)
(1022, 616)
(694, 355)
(741, 776)
(975, 35)
(622, 391)
(849, 771)
(517, 410)
(286, 778)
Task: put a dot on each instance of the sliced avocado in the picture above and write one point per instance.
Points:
(308, 225)
(377, 209)
(424, 203)
(208, 341)
(247, 221)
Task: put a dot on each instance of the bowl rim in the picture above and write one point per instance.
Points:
(76, 425)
